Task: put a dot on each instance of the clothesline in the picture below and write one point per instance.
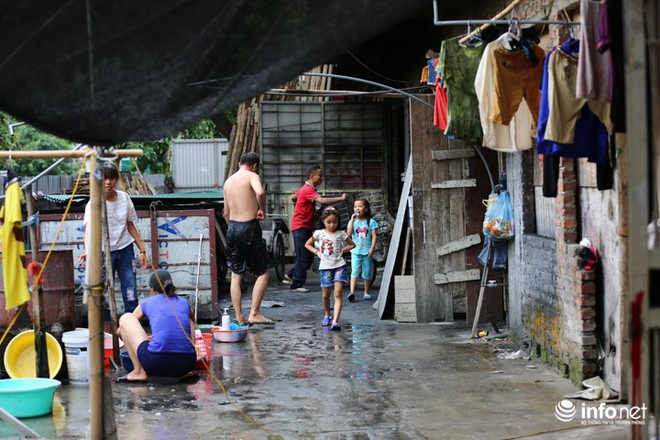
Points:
(495, 20)
(507, 21)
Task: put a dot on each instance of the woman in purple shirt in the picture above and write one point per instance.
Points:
(171, 350)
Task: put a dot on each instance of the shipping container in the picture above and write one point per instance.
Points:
(198, 164)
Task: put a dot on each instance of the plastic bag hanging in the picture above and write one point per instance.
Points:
(498, 221)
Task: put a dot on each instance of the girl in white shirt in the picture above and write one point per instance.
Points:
(329, 245)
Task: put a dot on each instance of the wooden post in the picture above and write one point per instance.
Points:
(634, 174)
(95, 296)
(40, 347)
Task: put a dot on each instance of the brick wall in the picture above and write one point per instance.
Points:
(556, 300)
(551, 301)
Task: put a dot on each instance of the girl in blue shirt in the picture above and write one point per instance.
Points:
(171, 350)
(363, 229)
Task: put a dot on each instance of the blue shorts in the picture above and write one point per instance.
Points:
(165, 364)
(362, 265)
(331, 276)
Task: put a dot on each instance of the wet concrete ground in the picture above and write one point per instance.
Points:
(373, 380)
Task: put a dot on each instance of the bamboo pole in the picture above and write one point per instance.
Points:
(94, 295)
(505, 11)
(57, 154)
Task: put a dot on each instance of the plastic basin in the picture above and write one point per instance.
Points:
(126, 361)
(229, 335)
(27, 397)
(20, 357)
(107, 348)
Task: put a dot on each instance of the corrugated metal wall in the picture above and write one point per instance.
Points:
(198, 164)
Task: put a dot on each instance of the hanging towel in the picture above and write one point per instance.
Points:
(14, 267)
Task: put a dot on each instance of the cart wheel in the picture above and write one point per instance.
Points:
(220, 260)
(279, 258)
(378, 259)
(373, 275)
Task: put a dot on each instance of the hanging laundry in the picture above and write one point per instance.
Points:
(569, 126)
(610, 40)
(458, 67)
(14, 270)
(431, 65)
(564, 108)
(593, 77)
(424, 77)
(507, 88)
(440, 104)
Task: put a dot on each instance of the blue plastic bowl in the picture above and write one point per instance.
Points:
(126, 361)
(27, 397)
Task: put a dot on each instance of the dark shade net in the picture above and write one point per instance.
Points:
(104, 72)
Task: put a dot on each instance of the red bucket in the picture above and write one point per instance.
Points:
(203, 349)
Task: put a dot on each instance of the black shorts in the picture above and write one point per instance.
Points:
(246, 248)
(165, 364)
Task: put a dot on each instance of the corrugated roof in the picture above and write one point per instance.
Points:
(215, 195)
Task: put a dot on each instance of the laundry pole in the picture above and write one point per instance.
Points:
(94, 288)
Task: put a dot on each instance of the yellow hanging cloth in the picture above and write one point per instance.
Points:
(14, 270)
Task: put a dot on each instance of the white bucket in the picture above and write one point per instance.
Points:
(76, 347)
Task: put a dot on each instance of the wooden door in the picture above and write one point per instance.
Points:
(448, 183)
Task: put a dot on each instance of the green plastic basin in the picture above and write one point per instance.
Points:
(27, 397)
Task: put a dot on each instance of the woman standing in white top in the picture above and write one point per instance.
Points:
(123, 233)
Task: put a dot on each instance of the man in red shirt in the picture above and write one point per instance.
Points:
(302, 225)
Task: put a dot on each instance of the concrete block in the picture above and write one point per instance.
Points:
(404, 282)
(405, 312)
(404, 289)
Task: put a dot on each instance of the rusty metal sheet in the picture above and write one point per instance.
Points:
(58, 291)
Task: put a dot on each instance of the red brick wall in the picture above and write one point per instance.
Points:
(569, 340)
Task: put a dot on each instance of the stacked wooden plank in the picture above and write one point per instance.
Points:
(83, 186)
(132, 183)
(135, 185)
(245, 134)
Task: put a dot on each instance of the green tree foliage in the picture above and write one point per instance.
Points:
(28, 138)
(156, 159)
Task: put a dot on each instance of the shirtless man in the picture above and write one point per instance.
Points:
(245, 205)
